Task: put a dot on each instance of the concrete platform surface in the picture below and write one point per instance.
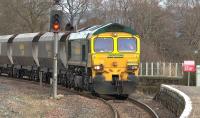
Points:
(194, 94)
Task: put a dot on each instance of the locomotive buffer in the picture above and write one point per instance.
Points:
(55, 27)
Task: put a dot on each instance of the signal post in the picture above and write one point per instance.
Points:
(55, 27)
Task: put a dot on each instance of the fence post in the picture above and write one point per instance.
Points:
(176, 70)
(170, 69)
(140, 68)
(146, 69)
(163, 68)
(158, 68)
(151, 68)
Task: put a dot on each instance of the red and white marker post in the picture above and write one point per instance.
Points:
(189, 66)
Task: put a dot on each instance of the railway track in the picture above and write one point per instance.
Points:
(152, 113)
(114, 111)
(134, 107)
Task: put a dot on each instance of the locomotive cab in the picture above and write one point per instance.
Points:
(115, 58)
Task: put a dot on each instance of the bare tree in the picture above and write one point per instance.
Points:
(188, 26)
(75, 10)
(168, 32)
(154, 24)
(28, 15)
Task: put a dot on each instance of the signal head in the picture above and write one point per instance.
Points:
(56, 23)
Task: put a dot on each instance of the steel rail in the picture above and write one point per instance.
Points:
(115, 112)
(144, 106)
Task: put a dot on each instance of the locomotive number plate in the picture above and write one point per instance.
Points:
(115, 56)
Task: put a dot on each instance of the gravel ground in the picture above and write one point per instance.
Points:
(25, 99)
(156, 106)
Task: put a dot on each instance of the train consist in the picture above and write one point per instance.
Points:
(103, 59)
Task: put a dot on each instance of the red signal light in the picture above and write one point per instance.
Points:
(56, 26)
(55, 23)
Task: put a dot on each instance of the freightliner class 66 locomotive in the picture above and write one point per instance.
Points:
(103, 58)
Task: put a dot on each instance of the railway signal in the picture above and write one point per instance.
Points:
(55, 26)
(56, 23)
(56, 17)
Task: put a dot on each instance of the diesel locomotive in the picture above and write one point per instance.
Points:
(103, 58)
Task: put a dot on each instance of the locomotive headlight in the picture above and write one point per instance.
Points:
(98, 67)
(114, 34)
(132, 67)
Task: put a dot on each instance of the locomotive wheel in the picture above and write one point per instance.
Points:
(31, 76)
(91, 88)
(86, 83)
(119, 89)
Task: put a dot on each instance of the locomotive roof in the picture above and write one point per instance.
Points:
(98, 29)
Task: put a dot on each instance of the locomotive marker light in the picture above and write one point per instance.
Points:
(56, 15)
(115, 34)
(132, 67)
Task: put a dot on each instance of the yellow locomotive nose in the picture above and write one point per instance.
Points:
(113, 72)
(115, 77)
(121, 66)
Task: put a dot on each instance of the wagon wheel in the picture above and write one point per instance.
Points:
(67, 79)
(18, 74)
